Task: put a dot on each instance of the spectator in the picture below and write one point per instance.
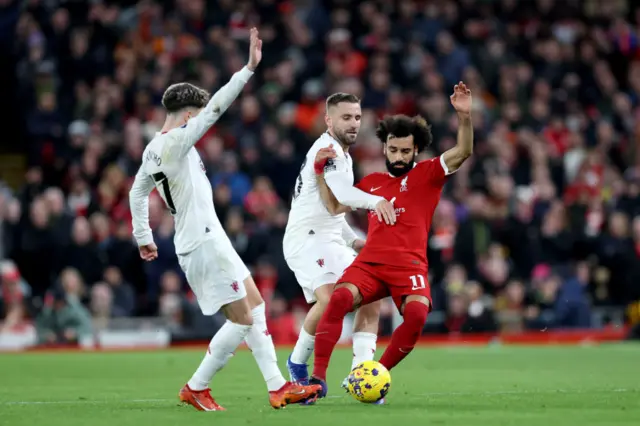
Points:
(14, 296)
(83, 254)
(60, 220)
(237, 181)
(63, 319)
(101, 305)
(510, 307)
(474, 235)
(123, 294)
(37, 244)
(235, 229)
(261, 199)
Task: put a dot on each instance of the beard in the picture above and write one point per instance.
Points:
(399, 168)
(346, 138)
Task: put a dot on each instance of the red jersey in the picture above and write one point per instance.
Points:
(415, 196)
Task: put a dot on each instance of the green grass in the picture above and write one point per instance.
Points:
(496, 385)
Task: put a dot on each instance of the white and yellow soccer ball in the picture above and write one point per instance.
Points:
(369, 382)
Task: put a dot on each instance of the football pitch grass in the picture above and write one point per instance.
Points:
(495, 385)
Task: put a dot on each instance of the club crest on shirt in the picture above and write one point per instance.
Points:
(235, 286)
(202, 166)
(403, 184)
(320, 262)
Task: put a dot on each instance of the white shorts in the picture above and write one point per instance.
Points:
(215, 274)
(318, 264)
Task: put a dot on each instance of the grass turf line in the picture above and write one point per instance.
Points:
(437, 386)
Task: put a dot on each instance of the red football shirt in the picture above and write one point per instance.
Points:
(415, 197)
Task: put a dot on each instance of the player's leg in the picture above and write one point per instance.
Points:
(216, 288)
(365, 333)
(259, 339)
(297, 363)
(261, 345)
(345, 298)
(317, 267)
(357, 286)
(221, 348)
(365, 336)
(415, 309)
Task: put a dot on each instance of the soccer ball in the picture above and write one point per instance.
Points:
(369, 381)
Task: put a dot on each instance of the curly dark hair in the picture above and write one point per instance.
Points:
(184, 95)
(400, 126)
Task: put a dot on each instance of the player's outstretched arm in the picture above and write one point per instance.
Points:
(340, 185)
(139, 206)
(224, 97)
(456, 156)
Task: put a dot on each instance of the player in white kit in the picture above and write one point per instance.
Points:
(319, 244)
(215, 272)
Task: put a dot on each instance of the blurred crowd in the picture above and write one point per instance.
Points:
(541, 227)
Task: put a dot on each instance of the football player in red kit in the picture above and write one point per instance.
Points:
(393, 261)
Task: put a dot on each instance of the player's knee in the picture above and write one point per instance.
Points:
(341, 302)
(415, 314)
(239, 312)
(242, 318)
(355, 292)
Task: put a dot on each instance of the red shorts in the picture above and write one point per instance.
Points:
(376, 281)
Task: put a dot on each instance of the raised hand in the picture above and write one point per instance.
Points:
(255, 50)
(461, 98)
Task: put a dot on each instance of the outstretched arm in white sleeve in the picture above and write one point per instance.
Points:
(340, 183)
(197, 126)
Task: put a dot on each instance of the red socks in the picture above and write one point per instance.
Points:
(329, 330)
(404, 338)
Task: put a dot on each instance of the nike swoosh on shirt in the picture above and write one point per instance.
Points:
(375, 189)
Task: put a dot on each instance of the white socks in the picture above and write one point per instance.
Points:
(258, 339)
(261, 344)
(364, 347)
(221, 348)
(303, 348)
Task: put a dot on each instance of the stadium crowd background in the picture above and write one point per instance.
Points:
(539, 230)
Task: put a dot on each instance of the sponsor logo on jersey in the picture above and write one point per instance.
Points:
(330, 166)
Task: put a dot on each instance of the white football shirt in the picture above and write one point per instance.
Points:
(308, 215)
(171, 164)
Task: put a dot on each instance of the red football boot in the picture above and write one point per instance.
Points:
(200, 400)
(292, 393)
